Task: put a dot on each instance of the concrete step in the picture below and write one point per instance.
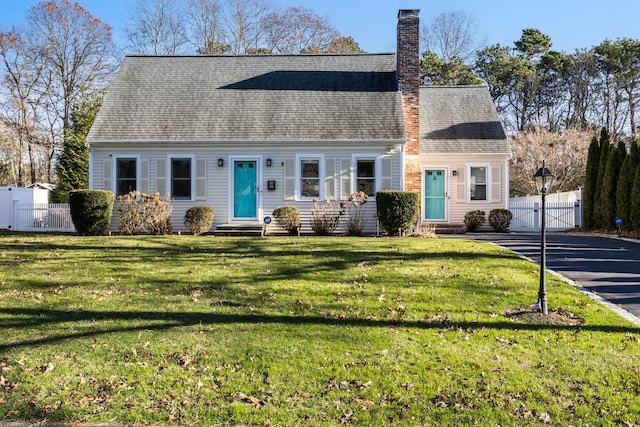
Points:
(446, 228)
(240, 229)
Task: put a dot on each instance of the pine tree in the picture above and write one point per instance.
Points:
(591, 176)
(599, 211)
(73, 162)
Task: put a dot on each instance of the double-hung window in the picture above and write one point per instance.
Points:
(310, 177)
(126, 173)
(366, 176)
(181, 178)
(478, 178)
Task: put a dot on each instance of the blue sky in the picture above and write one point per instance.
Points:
(571, 24)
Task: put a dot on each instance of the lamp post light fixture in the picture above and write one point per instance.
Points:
(544, 179)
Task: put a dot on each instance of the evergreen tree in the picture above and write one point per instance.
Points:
(625, 185)
(634, 211)
(599, 211)
(73, 162)
(591, 176)
(615, 158)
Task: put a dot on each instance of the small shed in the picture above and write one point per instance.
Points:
(11, 195)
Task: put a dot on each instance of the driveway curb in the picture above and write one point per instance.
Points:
(606, 303)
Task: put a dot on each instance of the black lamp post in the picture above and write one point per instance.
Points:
(543, 178)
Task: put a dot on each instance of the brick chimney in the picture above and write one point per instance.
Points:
(408, 65)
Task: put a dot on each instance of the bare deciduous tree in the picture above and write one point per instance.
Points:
(344, 45)
(24, 95)
(157, 28)
(206, 29)
(246, 22)
(565, 153)
(299, 30)
(451, 35)
(61, 50)
(77, 48)
(238, 27)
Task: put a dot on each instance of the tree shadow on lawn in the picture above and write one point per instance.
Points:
(25, 317)
(288, 260)
(331, 247)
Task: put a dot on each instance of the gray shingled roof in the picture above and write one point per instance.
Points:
(252, 98)
(460, 119)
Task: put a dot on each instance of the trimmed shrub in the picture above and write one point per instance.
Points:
(198, 219)
(288, 217)
(473, 220)
(499, 219)
(91, 211)
(397, 210)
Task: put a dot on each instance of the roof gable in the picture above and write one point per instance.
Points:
(252, 98)
(460, 119)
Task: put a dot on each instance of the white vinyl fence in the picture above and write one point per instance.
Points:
(563, 212)
(42, 217)
(27, 209)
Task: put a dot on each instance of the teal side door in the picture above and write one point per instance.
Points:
(434, 194)
(245, 197)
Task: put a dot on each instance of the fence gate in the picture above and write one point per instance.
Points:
(42, 217)
(560, 216)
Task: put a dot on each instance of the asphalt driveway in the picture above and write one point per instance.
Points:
(606, 266)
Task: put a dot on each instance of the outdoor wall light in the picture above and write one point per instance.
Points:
(454, 173)
(220, 162)
(268, 163)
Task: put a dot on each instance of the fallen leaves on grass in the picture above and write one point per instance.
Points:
(254, 401)
(348, 385)
(505, 342)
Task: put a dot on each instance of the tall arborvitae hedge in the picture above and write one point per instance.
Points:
(634, 211)
(599, 209)
(590, 180)
(625, 186)
(615, 158)
(612, 185)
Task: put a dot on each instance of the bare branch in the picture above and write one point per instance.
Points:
(451, 35)
(157, 28)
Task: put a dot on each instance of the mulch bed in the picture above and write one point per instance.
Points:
(558, 317)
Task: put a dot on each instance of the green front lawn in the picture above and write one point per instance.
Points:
(190, 330)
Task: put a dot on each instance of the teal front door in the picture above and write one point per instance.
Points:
(434, 194)
(245, 196)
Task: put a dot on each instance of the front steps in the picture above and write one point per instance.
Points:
(249, 229)
(445, 228)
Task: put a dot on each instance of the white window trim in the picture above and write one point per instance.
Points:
(321, 165)
(487, 167)
(114, 171)
(377, 170)
(193, 174)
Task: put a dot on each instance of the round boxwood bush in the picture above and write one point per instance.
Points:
(198, 219)
(500, 219)
(288, 217)
(91, 211)
(473, 220)
(397, 210)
